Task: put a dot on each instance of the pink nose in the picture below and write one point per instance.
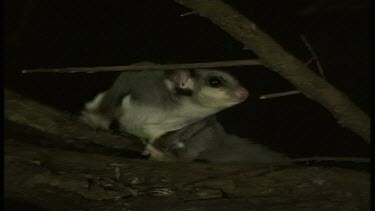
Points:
(241, 94)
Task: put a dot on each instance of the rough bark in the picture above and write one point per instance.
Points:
(53, 127)
(276, 58)
(55, 179)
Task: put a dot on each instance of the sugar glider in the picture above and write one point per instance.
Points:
(149, 104)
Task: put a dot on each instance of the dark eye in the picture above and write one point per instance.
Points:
(215, 81)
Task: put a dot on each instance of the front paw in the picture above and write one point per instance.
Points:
(154, 153)
(95, 120)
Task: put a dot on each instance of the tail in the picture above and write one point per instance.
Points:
(236, 149)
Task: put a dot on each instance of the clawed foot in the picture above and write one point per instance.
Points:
(154, 153)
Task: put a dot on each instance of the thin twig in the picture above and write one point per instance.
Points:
(313, 58)
(313, 54)
(148, 67)
(188, 13)
(279, 94)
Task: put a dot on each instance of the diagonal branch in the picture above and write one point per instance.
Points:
(276, 58)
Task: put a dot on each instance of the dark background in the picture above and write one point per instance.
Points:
(107, 33)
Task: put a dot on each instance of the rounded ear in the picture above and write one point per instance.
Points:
(179, 77)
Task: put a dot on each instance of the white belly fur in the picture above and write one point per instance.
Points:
(150, 122)
(92, 117)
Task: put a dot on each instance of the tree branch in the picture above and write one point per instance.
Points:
(56, 179)
(25, 116)
(276, 58)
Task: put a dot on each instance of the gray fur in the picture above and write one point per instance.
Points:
(146, 87)
(207, 140)
(146, 104)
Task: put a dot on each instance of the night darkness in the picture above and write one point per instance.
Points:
(108, 33)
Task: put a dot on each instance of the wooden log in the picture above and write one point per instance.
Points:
(56, 179)
(56, 128)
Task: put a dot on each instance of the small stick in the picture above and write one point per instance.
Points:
(313, 58)
(314, 55)
(280, 94)
(148, 67)
(188, 13)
